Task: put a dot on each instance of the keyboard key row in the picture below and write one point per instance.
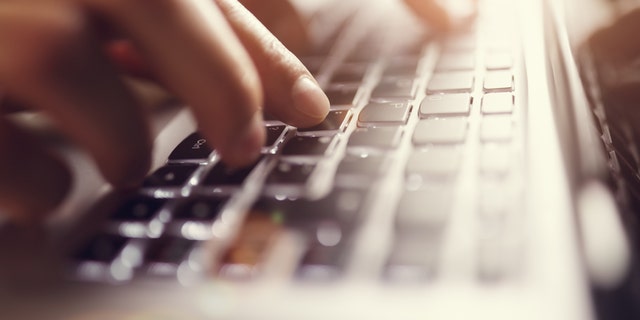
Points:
(115, 258)
(141, 208)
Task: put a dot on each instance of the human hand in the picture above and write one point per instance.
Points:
(614, 70)
(214, 55)
(439, 18)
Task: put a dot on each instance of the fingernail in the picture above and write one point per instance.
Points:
(309, 99)
(250, 142)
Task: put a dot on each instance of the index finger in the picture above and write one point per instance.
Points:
(191, 47)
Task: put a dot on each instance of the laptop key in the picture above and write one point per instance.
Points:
(274, 133)
(493, 103)
(369, 166)
(380, 137)
(384, 113)
(194, 147)
(498, 61)
(498, 81)
(435, 161)
(223, 175)
(307, 146)
(456, 61)
(438, 105)
(495, 159)
(199, 209)
(170, 176)
(496, 128)
(411, 261)
(290, 173)
(423, 210)
(341, 206)
(395, 87)
(453, 81)
(321, 262)
(349, 73)
(440, 131)
(342, 95)
(139, 209)
(168, 250)
(102, 248)
(406, 67)
(336, 121)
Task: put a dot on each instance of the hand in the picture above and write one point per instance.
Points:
(436, 16)
(214, 55)
(615, 53)
(431, 12)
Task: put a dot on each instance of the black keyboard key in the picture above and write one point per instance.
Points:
(387, 113)
(342, 95)
(268, 116)
(170, 176)
(358, 172)
(170, 250)
(290, 173)
(274, 133)
(194, 147)
(395, 88)
(102, 248)
(139, 209)
(335, 121)
(307, 146)
(340, 206)
(199, 209)
(370, 166)
(223, 175)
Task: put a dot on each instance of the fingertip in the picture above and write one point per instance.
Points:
(245, 148)
(309, 100)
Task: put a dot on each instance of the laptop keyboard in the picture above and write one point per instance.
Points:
(417, 168)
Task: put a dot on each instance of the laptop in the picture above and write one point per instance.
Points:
(467, 175)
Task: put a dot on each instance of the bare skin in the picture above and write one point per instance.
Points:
(215, 55)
